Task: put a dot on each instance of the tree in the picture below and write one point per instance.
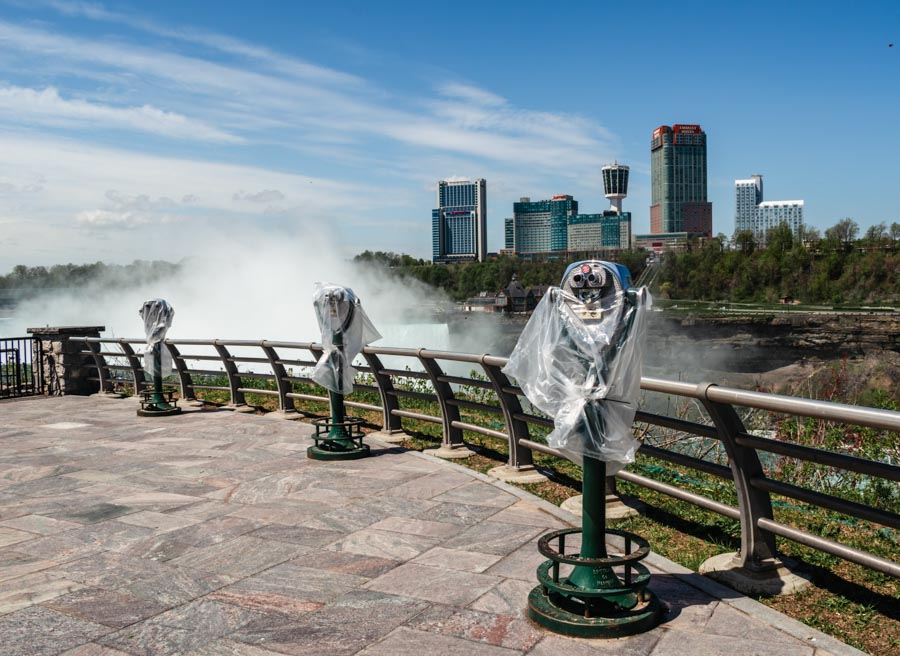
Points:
(809, 236)
(876, 234)
(779, 239)
(844, 232)
(895, 231)
(745, 241)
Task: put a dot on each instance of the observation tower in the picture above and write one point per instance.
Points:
(615, 185)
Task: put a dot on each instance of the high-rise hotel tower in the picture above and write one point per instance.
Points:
(459, 223)
(678, 181)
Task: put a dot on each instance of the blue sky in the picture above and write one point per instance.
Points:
(132, 129)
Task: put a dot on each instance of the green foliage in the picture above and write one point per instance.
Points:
(464, 280)
(837, 269)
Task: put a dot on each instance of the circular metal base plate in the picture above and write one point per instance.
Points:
(318, 453)
(643, 617)
(158, 413)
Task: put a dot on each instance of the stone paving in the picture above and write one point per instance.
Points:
(211, 533)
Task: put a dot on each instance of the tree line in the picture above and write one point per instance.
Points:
(33, 280)
(836, 267)
(465, 280)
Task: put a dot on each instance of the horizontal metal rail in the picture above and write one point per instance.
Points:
(724, 429)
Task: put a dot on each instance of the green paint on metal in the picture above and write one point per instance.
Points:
(158, 403)
(604, 596)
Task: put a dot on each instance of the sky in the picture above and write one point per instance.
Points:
(136, 130)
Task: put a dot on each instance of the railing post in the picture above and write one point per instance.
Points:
(520, 466)
(391, 424)
(286, 408)
(756, 569)
(452, 445)
(238, 402)
(184, 377)
(137, 367)
(106, 388)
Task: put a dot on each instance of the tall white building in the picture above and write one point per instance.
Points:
(770, 214)
(747, 195)
(752, 213)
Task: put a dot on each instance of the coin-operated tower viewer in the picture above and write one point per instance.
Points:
(346, 329)
(579, 361)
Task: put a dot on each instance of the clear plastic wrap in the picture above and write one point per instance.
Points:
(585, 372)
(157, 316)
(340, 314)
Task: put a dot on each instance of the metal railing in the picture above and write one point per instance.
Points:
(21, 373)
(744, 450)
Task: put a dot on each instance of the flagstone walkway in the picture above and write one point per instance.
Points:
(211, 533)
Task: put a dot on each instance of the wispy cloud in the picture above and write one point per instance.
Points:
(280, 120)
(460, 118)
(46, 106)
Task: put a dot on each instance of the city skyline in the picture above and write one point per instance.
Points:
(143, 131)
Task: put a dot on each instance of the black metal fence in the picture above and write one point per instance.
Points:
(21, 371)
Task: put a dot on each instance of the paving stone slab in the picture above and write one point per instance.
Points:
(177, 586)
(493, 537)
(226, 647)
(181, 629)
(384, 544)
(32, 589)
(10, 536)
(409, 642)
(341, 628)
(311, 537)
(488, 628)
(110, 570)
(672, 643)
(288, 589)
(40, 525)
(433, 584)
(429, 486)
(107, 607)
(457, 513)
(413, 526)
(638, 645)
(14, 564)
(509, 597)
(159, 522)
(240, 557)
(350, 563)
(93, 649)
(215, 531)
(38, 631)
(477, 493)
(462, 561)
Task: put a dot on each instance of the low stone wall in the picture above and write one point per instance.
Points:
(66, 371)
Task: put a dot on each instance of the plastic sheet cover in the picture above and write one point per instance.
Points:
(339, 311)
(157, 316)
(585, 373)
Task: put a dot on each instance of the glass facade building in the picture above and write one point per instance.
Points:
(540, 226)
(678, 181)
(459, 223)
(555, 227)
(591, 232)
